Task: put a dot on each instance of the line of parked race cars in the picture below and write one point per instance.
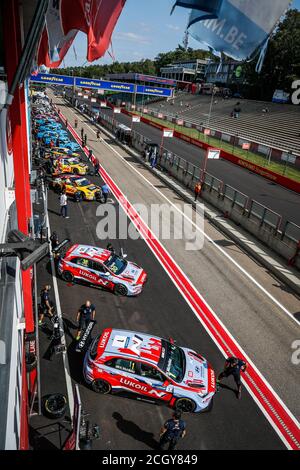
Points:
(151, 368)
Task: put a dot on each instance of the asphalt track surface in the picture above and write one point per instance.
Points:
(126, 424)
(271, 195)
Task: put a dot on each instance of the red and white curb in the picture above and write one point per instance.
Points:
(279, 416)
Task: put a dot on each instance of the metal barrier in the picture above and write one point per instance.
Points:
(291, 231)
(264, 215)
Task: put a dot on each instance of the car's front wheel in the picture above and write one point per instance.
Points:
(101, 386)
(75, 171)
(119, 289)
(67, 276)
(185, 405)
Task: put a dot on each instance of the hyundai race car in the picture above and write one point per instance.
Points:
(77, 187)
(151, 368)
(102, 268)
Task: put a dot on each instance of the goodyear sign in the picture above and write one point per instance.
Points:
(155, 91)
(101, 84)
(52, 79)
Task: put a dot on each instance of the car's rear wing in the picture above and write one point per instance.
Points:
(85, 340)
(62, 248)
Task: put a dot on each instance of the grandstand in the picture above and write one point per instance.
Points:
(277, 128)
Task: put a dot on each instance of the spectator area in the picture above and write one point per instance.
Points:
(279, 127)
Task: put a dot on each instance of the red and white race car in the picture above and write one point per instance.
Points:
(151, 368)
(102, 268)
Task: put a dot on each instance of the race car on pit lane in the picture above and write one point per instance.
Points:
(102, 268)
(77, 187)
(63, 151)
(151, 368)
(69, 165)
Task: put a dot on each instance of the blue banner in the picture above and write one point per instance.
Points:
(241, 26)
(156, 91)
(104, 85)
(52, 79)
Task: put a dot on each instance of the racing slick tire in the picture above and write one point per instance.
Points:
(67, 276)
(78, 197)
(75, 171)
(185, 405)
(101, 386)
(55, 405)
(120, 289)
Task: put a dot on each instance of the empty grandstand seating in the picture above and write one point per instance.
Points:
(278, 128)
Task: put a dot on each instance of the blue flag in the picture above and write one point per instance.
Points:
(241, 27)
(205, 9)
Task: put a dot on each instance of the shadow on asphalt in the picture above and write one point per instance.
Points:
(133, 430)
(48, 437)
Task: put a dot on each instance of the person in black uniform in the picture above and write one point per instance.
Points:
(46, 306)
(172, 431)
(86, 313)
(234, 366)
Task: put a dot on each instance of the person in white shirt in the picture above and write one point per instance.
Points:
(63, 201)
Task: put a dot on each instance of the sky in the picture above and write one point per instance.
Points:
(145, 28)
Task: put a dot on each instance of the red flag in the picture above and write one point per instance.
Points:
(96, 18)
(64, 18)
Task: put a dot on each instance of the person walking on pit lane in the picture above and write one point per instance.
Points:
(172, 431)
(85, 314)
(234, 366)
(46, 306)
(85, 140)
(76, 123)
(197, 191)
(82, 133)
(63, 201)
(105, 192)
(98, 135)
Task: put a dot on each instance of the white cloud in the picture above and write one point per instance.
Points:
(173, 27)
(129, 36)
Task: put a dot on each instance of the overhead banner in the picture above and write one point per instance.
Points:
(157, 91)
(104, 85)
(101, 85)
(52, 79)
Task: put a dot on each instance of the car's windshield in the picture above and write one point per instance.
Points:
(174, 362)
(116, 264)
(82, 182)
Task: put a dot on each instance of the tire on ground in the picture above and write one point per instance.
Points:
(55, 405)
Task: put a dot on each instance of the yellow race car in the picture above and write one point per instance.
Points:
(69, 165)
(63, 151)
(77, 187)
